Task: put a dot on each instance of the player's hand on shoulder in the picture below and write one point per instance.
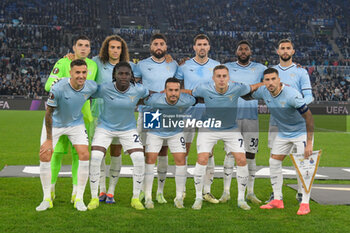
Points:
(168, 58)
(183, 60)
(70, 56)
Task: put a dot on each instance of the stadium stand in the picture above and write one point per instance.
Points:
(36, 33)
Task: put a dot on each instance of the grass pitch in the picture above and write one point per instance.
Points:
(19, 141)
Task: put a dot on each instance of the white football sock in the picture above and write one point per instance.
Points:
(45, 177)
(242, 180)
(83, 175)
(229, 163)
(95, 164)
(102, 182)
(162, 170)
(209, 175)
(138, 160)
(149, 177)
(180, 180)
(276, 177)
(252, 170)
(199, 173)
(114, 171)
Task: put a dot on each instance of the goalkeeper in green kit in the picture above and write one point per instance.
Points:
(61, 69)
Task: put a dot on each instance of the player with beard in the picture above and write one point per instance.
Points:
(193, 72)
(296, 77)
(153, 72)
(248, 72)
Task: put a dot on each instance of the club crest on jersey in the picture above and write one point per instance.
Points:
(89, 72)
(253, 69)
(292, 75)
(55, 70)
(86, 96)
(283, 104)
(51, 96)
(230, 97)
(132, 98)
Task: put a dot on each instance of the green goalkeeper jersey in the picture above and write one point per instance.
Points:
(61, 70)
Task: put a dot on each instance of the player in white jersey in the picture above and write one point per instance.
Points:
(248, 72)
(171, 104)
(296, 77)
(63, 117)
(113, 50)
(221, 99)
(295, 130)
(117, 121)
(193, 72)
(153, 72)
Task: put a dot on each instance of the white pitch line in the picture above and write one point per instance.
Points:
(332, 130)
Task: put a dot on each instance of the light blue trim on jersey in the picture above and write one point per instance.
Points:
(284, 109)
(250, 74)
(68, 102)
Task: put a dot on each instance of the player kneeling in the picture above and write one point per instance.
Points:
(171, 102)
(117, 120)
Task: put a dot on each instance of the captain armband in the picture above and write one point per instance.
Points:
(303, 109)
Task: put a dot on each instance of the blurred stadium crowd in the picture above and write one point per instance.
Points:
(34, 34)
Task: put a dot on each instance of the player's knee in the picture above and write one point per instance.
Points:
(84, 155)
(203, 159)
(241, 159)
(45, 158)
(151, 159)
(116, 150)
(163, 151)
(180, 159)
(138, 158)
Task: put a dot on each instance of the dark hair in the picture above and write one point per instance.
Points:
(270, 71)
(244, 42)
(80, 37)
(220, 67)
(123, 64)
(158, 36)
(78, 62)
(284, 41)
(172, 80)
(124, 56)
(201, 37)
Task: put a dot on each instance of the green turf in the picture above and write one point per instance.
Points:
(20, 141)
(17, 212)
(20, 136)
